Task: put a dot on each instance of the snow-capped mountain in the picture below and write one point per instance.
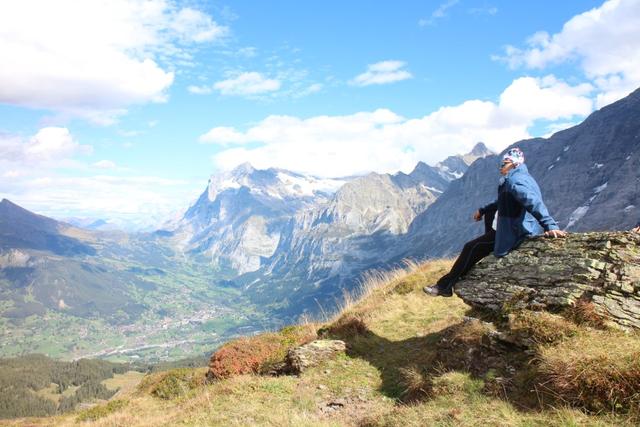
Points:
(238, 219)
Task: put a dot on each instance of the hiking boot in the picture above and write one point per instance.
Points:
(435, 291)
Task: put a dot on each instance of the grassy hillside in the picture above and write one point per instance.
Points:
(410, 360)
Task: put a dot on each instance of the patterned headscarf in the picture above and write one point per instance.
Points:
(515, 156)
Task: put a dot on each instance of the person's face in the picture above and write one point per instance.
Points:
(505, 167)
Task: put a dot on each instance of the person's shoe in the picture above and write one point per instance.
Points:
(435, 291)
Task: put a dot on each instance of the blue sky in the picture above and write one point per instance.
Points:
(122, 109)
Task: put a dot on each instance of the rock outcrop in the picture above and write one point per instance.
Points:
(553, 274)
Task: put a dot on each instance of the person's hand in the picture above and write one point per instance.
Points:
(555, 233)
(636, 229)
(477, 216)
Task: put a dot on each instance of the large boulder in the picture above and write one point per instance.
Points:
(304, 357)
(553, 274)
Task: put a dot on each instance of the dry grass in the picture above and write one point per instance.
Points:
(598, 370)
(584, 313)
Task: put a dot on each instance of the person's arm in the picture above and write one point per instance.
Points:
(491, 207)
(529, 196)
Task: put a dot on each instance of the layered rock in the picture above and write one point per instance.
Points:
(553, 274)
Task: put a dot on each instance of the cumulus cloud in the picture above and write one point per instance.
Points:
(604, 41)
(382, 73)
(49, 146)
(94, 58)
(386, 142)
(247, 84)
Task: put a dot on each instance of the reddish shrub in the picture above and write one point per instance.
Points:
(250, 355)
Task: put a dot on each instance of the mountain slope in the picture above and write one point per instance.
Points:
(22, 229)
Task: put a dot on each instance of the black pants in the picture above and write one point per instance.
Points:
(472, 252)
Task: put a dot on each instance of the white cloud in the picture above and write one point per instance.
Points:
(604, 41)
(386, 142)
(104, 164)
(546, 98)
(382, 73)
(49, 146)
(193, 25)
(94, 58)
(246, 84)
(199, 90)
(34, 173)
(439, 13)
(142, 201)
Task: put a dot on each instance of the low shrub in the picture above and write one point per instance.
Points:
(172, 384)
(540, 327)
(257, 354)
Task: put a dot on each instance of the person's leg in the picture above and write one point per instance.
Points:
(472, 252)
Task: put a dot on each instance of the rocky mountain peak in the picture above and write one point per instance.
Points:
(480, 150)
(243, 169)
(453, 167)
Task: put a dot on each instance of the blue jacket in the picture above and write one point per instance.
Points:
(521, 211)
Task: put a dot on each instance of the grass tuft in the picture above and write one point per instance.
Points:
(584, 313)
(346, 327)
(540, 327)
(596, 370)
(101, 411)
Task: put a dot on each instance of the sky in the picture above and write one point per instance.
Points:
(122, 109)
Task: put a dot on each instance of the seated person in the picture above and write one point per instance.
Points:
(519, 208)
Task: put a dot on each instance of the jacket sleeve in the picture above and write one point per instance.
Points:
(491, 207)
(528, 194)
